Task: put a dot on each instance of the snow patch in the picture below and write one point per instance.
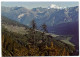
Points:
(20, 16)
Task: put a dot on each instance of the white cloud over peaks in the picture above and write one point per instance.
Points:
(54, 6)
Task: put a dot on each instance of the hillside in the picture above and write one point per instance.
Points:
(6, 20)
(32, 42)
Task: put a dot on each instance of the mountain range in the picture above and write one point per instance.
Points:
(41, 15)
(52, 17)
(61, 21)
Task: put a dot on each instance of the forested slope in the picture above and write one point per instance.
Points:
(32, 43)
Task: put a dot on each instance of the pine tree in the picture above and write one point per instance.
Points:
(44, 28)
(34, 26)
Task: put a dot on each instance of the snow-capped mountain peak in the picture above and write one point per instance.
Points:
(54, 6)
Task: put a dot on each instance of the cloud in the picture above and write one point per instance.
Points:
(54, 6)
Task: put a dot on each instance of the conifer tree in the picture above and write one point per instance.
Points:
(33, 25)
(44, 28)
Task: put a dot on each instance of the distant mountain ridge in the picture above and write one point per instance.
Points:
(41, 15)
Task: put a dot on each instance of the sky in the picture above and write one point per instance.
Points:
(31, 5)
